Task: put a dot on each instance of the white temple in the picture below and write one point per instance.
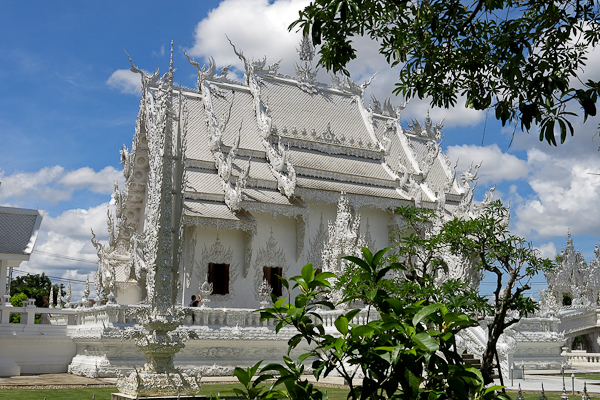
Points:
(261, 165)
(232, 183)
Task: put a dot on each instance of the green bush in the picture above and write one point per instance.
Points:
(17, 301)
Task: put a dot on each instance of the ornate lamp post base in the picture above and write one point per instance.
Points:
(157, 385)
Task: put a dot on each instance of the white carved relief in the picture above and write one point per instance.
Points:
(290, 211)
(223, 163)
(248, 239)
(430, 131)
(217, 223)
(268, 256)
(317, 244)
(300, 235)
(357, 201)
(191, 255)
(217, 254)
(468, 176)
(343, 238)
(369, 241)
(415, 192)
(305, 72)
(328, 142)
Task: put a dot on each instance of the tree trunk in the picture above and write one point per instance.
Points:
(487, 361)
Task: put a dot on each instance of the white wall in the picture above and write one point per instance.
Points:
(243, 289)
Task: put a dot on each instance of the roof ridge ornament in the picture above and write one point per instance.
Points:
(147, 79)
(307, 50)
(205, 72)
(250, 67)
(305, 72)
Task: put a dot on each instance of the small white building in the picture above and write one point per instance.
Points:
(19, 229)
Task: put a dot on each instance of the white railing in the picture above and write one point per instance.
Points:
(362, 318)
(224, 317)
(59, 316)
(583, 359)
(122, 315)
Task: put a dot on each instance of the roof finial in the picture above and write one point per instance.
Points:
(307, 50)
(171, 63)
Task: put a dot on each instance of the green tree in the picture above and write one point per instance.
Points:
(17, 301)
(402, 351)
(35, 286)
(525, 59)
(422, 255)
(510, 259)
(486, 244)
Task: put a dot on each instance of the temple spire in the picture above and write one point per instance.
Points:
(171, 70)
(306, 52)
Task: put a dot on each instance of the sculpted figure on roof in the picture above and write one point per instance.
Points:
(205, 72)
(469, 175)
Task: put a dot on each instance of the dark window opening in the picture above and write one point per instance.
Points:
(218, 275)
(270, 274)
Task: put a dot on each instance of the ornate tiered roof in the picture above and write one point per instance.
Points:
(307, 140)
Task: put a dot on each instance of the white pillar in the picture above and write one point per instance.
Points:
(3, 275)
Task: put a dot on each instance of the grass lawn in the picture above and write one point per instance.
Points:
(208, 390)
(588, 376)
(57, 394)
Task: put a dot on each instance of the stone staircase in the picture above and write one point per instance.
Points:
(470, 360)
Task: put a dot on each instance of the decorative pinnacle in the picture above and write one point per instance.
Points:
(307, 50)
(171, 63)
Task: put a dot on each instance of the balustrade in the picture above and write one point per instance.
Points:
(121, 315)
(576, 358)
(29, 310)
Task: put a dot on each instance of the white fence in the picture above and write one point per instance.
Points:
(120, 315)
(581, 359)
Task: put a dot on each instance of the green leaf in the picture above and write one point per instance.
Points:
(242, 376)
(368, 256)
(341, 323)
(424, 312)
(352, 313)
(294, 340)
(426, 342)
(360, 262)
(307, 272)
(379, 255)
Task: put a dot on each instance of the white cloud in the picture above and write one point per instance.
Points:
(34, 184)
(497, 166)
(125, 81)
(159, 53)
(55, 184)
(566, 192)
(68, 235)
(87, 178)
(547, 250)
(257, 27)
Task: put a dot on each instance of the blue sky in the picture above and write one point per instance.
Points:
(68, 104)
